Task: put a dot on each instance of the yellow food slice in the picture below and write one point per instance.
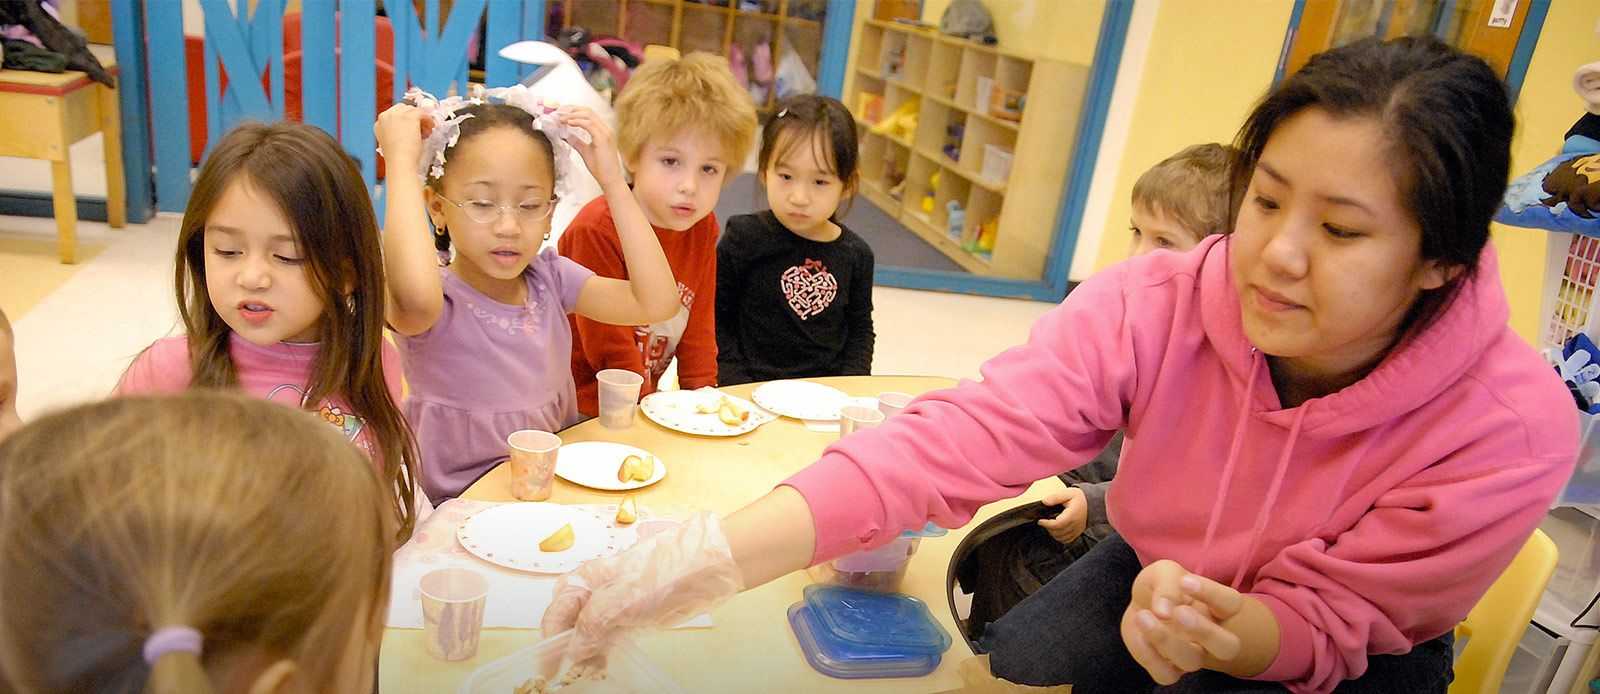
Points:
(559, 541)
(644, 469)
(626, 472)
(627, 513)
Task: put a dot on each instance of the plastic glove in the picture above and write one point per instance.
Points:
(660, 582)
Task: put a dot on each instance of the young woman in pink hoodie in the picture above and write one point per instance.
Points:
(1334, 441)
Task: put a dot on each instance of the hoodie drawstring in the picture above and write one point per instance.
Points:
(1260, 526)
(1221, 495)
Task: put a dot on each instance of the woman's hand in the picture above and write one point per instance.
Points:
(1174, 623)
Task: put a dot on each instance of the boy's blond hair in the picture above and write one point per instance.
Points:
(1192, 187)
(256, 524)
(665, 97)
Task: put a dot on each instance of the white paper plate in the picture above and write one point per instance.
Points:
(801, 400)
(509, 536)
(594, 464)
(676, 410)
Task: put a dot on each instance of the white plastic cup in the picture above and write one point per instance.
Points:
(533, 463)
(892, 403)
(619, 393)
(452, 612)
(854, 418)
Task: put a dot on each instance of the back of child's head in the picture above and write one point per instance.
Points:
(319, 191)
(1192, 188)
(254, 524)
(819, 122)
(483, 118)
(696, 92)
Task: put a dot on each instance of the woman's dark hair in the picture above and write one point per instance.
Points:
(797, 122)
(1447, 120)
(486, 117)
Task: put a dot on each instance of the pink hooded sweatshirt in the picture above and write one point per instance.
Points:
(1368, 521)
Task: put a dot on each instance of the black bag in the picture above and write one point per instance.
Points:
(1004, 560)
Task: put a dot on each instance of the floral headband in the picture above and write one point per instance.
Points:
(447, 127)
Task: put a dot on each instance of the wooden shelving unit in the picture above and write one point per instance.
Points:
(702, 25)
(900, 64)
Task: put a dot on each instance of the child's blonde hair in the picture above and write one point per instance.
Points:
(1192, 187)
(255, 524)
(696, 91)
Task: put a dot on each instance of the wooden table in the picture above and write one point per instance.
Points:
(44, 115)
(751, 648)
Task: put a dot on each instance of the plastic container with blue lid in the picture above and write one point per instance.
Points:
(836, 658)
(887, 620)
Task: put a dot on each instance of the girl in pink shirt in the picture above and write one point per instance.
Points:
(280, 285)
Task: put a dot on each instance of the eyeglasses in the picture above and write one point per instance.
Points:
(486, 212)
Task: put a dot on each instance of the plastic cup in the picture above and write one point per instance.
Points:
(890, 404)
(533, 463)
(619, 392)
(854, 418)
(452, 612)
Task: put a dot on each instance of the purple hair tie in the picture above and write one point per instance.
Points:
(171, 639)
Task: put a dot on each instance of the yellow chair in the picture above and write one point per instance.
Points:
(1496, 624)
(656, 51)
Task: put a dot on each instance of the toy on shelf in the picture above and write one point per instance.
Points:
(982, 242)
(952, 140)
(870, 106)
(900, 124)
(927, 196)
(956, 220)
(896, 180)
(1007, 104)
(894, 61)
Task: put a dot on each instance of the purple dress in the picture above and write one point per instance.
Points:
(486, 369)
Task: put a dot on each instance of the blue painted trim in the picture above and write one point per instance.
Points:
(127, 27)
(318, 90)
(1532, 26)
(421, 70)
(32, 203)
(448, 54)
(223, 33)
(533, 16)
(357, 100)
(500, 31)
(964, 283)
(1288, 40)
(213, 93)
(1446, 11)
(1384, 19)
(274, 32)
(1091, 128)
(169, 104)
(403, 18)
(835, 47)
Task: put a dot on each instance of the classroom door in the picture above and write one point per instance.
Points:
(1488, 28)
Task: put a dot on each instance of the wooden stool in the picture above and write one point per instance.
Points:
(44, 114)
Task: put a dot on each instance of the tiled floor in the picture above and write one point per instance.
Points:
(76, 340)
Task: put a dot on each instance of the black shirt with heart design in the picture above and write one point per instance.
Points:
(790, 307)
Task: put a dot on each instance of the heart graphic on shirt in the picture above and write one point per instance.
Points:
(809, 287)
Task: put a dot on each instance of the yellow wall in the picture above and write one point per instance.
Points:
(1054, 29)
(1208, 64)
(1546, 107)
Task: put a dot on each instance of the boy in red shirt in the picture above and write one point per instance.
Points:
(681, 125)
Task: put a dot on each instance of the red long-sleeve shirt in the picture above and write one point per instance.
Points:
(691, 335)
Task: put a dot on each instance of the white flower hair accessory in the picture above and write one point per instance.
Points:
(444, 113)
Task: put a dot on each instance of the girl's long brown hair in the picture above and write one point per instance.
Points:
(257, 525)
(321, 193)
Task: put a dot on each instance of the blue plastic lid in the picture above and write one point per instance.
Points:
(837, 658)
(876, 620)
